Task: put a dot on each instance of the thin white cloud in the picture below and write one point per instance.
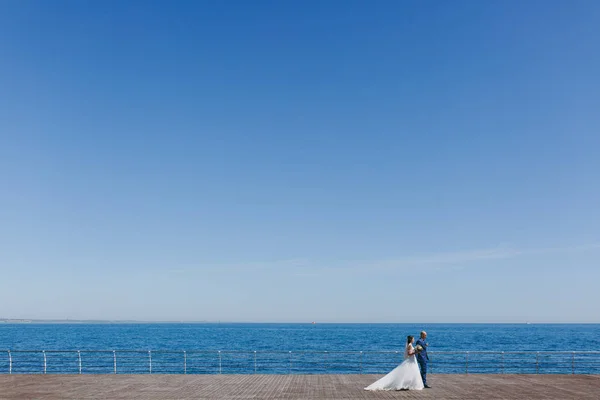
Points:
(458, 257)
(565, 249)
(463, 258)
(302, 267)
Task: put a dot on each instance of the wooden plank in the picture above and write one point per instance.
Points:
(164, 387)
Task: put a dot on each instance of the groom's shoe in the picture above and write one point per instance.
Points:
(427, 387)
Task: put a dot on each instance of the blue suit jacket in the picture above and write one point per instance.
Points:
(422, 357)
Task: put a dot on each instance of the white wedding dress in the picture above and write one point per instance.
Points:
(404, 376)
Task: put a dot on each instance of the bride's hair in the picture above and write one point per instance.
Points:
(409, 339)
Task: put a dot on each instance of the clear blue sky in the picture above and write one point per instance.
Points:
(300, 161)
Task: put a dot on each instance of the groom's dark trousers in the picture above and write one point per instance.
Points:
(422, 359)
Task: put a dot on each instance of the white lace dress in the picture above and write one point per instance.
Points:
(404, 376)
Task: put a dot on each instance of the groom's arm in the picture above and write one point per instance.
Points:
(424, 346)
(420, 343)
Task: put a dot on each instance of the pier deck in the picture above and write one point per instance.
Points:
(165, 387)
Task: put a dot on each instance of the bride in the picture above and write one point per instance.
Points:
(405, 376)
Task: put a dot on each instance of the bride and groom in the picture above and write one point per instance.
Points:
(412, 373)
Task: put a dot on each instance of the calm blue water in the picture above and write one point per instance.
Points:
(307, 342)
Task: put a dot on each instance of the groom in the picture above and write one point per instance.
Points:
(422, 357)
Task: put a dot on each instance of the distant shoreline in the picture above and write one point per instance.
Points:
(124, 322)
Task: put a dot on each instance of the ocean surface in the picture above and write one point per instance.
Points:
(294, 348)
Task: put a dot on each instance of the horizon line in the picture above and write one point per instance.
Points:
(125, 321)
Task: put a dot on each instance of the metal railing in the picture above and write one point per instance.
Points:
(290, 362)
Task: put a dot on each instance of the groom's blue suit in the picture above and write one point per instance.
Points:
(422, 359)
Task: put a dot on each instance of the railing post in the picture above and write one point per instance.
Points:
(9, 362)
(573, 363)
(220, 363)
(430, 368)
(537, 362)
(502, 362)
(184, 362)
(290, 362)
(79, 360)
(114, 361)
(467, 363)
(255, 361)
(45, 363)
(149, 361)
(361, 362)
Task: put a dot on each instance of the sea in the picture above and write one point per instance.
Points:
(303, 348)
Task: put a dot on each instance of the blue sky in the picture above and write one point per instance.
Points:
(333, 161)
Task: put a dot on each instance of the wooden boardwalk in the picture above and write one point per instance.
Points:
(165, 387)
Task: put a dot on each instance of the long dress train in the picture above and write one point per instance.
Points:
(405, 376)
